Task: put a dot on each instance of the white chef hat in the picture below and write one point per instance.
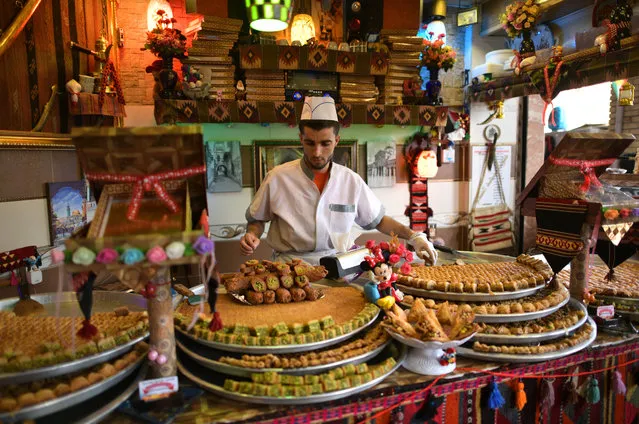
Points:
(319, 109)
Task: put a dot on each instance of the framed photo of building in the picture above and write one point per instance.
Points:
(71, 206)
(270, 153)
(223, 166)
(381, 163)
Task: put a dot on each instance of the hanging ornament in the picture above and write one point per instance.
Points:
(429, 408)
(626, 94)
(570, 393)
(495, 399)
(592, 391)
(547, 394)
(520, 396)
(550, 88)
(618, 385)
(84, 294)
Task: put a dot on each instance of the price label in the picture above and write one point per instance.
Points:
(606, 311)
(158, 388)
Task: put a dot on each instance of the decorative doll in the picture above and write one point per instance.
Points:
(383, 290)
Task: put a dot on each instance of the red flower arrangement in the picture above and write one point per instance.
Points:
(164, 41)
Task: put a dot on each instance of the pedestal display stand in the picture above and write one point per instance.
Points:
(151, 216)
(572, 207)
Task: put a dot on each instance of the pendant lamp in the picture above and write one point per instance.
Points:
(302, 27)
(268, 15)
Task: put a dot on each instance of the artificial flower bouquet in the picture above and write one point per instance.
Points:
(521, 15)
(165, 41)
(437, 55)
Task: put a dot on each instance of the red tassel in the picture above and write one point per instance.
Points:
(88, 330)
(520, 396)
(216, 322)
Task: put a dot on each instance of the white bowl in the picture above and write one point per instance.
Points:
(498, 56)
(424, 357)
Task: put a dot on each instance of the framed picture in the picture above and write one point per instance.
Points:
(71, 205)
(467, 17)
(269, 154)
(223, 166)
(381, 163)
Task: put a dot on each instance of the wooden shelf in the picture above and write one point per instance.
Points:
(585, 67)
(211, 111)
(287, 58)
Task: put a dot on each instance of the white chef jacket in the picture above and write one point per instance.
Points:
(301, 217)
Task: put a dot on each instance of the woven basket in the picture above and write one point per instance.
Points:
(561, 188)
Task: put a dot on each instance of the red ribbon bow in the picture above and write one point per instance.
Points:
(586, 167)
(148, 182)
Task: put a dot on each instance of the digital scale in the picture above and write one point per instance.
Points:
(300, 84)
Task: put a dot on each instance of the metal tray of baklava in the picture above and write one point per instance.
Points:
(74, 398)
(103, 301)
(213, 381)
(468, 352)
(470, 297)
(515, 339)
(291, 348)
(210, 359)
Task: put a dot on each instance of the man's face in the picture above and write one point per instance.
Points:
(318, 147)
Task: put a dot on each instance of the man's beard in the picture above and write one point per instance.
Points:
(312, 165)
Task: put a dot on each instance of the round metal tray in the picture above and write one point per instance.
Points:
(104, 301)
(74, 398)
(526, 316)
(107, 402)
(213, 381)
(469, 297)
(295, 348)
(514, 339)
(209, 359)
(523, 359)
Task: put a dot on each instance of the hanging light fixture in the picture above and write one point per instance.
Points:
(626, 94)
(152, 16)
(268, 15)
(302, 27)
(426, 164)
(434, 22)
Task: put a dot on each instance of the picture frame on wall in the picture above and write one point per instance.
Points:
(270, 153)
(71, 206)
(223, 166)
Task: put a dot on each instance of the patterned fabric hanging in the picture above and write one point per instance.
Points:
(559, 225)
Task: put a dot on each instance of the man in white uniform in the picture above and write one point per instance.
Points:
(312, 203)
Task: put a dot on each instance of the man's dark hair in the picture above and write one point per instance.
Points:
(319, 125)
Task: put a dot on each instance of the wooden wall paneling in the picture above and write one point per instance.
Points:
(402, 14)
(214, 7)
(45, 40)
(247, 166)
(14, 86)
(24, 173)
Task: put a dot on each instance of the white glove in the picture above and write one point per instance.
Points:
(423, 248)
